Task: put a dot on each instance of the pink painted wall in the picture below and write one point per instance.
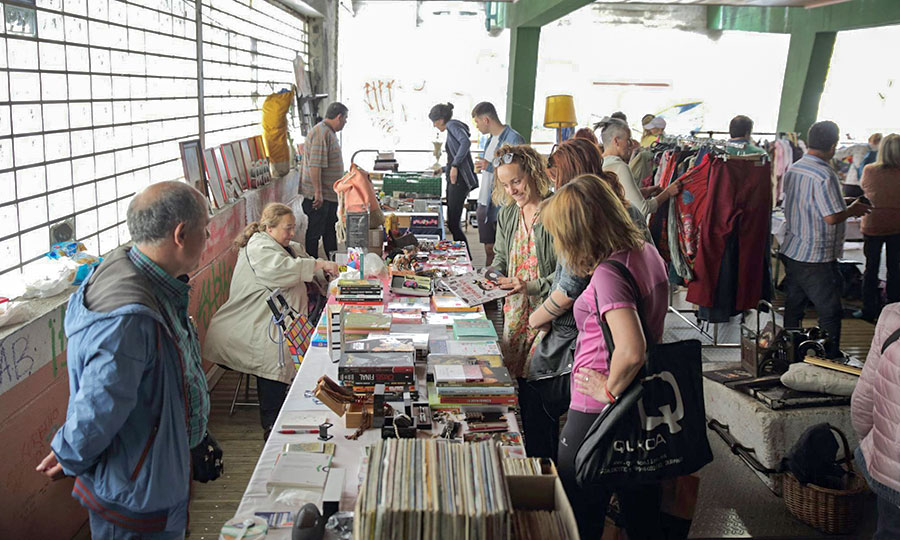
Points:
(34, 382)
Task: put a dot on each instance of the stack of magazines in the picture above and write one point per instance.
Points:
(433, 489)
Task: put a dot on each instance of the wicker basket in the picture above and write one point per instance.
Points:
(832, 511)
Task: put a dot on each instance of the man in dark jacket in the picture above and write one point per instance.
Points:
(138, 400)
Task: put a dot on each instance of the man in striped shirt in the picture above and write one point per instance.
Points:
(322, 166)
(815, 213)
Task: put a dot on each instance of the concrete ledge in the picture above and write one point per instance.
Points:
(770, 433)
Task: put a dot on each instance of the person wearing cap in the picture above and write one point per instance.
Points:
(653, 128)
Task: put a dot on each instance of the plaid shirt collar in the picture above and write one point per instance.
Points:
(174, 289)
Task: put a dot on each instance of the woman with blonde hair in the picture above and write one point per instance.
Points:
(881, 185)
(523, 251)
(590, 228)
(240, 335)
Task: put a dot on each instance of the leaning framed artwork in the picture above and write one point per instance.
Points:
(194, 167)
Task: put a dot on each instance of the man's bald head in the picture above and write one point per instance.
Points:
(154, 213)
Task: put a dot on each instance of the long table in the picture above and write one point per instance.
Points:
(348, 454)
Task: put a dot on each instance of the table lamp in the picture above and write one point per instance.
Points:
(559, 114)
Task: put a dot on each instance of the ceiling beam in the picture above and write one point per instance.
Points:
(536, 13)
(832, 18)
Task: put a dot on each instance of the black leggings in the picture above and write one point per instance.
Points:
(639, 504)
(456, 200)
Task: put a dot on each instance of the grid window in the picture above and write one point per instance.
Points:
(92, 108)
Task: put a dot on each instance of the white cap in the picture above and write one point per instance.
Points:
(657, 122)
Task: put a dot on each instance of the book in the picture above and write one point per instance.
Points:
(465, 348)
(411, 285)
(407, 318)
(446, 319)
(355, 308)
(492, 360)
(450, 302)
(400, 303)
(477, 287)
(365, 369)
(316, 447)
(367, 322)
(477, 329)
(299, 470)
(490, 375)
(472, 390)
(301, 420)
(456, 373)
(381, 343)
(359, 286)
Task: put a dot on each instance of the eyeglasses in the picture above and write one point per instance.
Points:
(505, 159)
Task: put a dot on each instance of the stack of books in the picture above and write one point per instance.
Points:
(299, 470)
(427, 489)
(465, 381)
(408, 309)
(360, 291)
(366, 323)
(362, 371)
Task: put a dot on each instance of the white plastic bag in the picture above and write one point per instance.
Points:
(49, 277)
(13, 312)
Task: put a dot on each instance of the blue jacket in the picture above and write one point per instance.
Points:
(125, 434)
(507, 136)
(458, 154)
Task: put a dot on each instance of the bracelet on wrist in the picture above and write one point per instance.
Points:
(609, 396)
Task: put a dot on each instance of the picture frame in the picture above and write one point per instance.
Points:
(216, 176)
(194, 166)
(242, 167)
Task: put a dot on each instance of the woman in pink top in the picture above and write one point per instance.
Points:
(590, 225)
(881, 185)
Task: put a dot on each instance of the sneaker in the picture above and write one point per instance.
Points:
(860, 314)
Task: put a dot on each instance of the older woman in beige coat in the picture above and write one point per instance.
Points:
(239, 333)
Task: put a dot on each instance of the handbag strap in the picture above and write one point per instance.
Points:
(636, 294)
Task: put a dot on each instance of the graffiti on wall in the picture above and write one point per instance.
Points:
(213, 291)
(384, 109)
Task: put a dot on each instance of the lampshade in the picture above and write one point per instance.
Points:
(560, 112)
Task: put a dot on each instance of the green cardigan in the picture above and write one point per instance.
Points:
(507, 223)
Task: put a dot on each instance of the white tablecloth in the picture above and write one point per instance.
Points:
(348, 455)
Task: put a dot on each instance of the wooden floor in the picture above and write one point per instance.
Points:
(240, 437)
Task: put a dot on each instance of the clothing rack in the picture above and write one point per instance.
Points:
(715, 326)
(681, 139)
(711, 133)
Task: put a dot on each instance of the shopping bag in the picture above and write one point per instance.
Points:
(657, 428)
(298, 333)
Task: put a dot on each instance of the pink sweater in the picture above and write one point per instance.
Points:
(875, 406)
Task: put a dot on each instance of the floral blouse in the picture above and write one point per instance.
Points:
(523, 264)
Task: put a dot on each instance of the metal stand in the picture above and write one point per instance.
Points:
(715, 335)
(244, 378)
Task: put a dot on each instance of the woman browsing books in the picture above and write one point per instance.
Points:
(598, 376)
(239, 333)
(523, 250)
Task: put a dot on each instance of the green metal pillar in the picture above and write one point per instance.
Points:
(809, 56)
(523, 60)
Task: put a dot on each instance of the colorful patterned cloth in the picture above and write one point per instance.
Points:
(517, 335)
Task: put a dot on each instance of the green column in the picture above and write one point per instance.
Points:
(809, 56)
(523, 60)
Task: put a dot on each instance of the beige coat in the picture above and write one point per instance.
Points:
(238, 335)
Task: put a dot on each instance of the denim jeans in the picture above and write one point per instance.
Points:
(105, 530)
(872, 248)
(888, 520)
(819, 283)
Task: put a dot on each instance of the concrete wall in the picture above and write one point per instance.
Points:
(34, 389)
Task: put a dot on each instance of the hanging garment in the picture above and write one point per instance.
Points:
(738, 200)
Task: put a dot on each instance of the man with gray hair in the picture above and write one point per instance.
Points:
(617, 148)
(138, 400)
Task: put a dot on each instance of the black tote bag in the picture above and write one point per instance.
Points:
(657, 428)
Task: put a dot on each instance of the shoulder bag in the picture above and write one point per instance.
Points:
(657, 428)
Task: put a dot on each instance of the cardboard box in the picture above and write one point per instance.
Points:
(543, 492)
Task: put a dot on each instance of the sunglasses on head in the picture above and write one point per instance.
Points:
(505, 159)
